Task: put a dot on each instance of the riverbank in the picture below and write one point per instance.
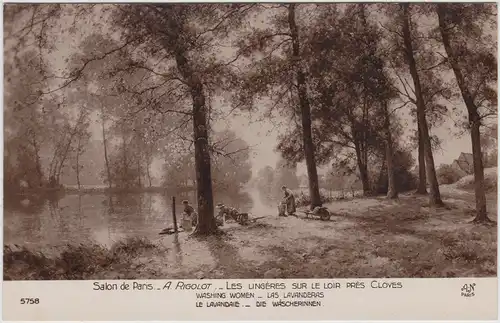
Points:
(367, 237)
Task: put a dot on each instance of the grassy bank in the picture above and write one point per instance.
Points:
(73, 261)
(367, 237)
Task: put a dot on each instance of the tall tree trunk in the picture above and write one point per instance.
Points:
(104, 143)
(422, 176)
(37, 162)
(36, 148)
(206, 220)
(148, 165)
(392, 191)
(148, 174)
(435, 195)
(474, 118)
(382, 175)
(73, 132)
(53, 166)
(65, 154)
(363, 169)
(481, 211)
(305, 110)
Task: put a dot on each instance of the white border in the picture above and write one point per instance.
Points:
(186, 1)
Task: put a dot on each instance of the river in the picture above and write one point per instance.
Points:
(100, 218)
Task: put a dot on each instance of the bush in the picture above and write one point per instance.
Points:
(448, 175)
(490, 181)
(490, 159)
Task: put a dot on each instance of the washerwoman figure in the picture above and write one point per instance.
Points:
(189, 216)
(289, 200)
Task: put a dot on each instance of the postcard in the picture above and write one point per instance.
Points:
(250, 160)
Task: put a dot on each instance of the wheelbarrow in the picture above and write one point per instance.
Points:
(319, 211)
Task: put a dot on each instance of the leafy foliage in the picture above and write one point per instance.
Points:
(148, 84)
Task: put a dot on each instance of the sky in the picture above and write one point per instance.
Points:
(262, 135)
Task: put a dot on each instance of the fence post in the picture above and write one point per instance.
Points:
(173, 214)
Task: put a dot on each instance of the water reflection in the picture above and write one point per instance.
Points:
(82, 218)
(263, 205)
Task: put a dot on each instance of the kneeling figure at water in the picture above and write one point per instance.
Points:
(189, 216)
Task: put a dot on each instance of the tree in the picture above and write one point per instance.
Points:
(71, 135)
(403, 162)
(179, 174)
(305, 109)
(82, 138)
(464, 44)
(280, 75)
(96, 54)
(231, 160)
(124, 158)
(25, 118)
(348, 85)
(434, 196)
(182, 41)
(109, 177)
(232, 167)
(429, 64)
(187, 35)
(392, 191)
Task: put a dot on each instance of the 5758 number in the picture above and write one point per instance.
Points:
(30, 301)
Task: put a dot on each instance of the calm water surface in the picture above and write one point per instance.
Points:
(92, 218)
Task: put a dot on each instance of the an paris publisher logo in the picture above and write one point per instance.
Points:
(468, 290)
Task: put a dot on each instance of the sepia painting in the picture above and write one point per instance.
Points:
(250, 140)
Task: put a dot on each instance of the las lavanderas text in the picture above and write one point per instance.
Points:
(254, 294)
